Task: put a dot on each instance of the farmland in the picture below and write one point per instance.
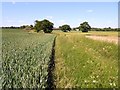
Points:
(26, 58)
(79, 61)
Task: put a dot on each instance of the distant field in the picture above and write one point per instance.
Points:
(101, 33)
(86, 63)
(79, 61)
(109, 33)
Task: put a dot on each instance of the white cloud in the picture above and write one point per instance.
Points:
(89, 11)
(49, 17)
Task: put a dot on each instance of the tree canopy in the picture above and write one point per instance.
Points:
(44, 25)
(84, 27)
(65, 28)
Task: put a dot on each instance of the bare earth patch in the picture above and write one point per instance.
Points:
(112, 39)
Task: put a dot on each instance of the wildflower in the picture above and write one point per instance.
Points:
(103, 48)
(85, 81)
(114, 84)
(84, 66)
(41, 81)
(97, 76)
(110, 84)
(94, 81)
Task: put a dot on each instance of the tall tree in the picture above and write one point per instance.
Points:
(44, 25)
(84, 27)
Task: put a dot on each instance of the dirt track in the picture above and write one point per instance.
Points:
(111, 39)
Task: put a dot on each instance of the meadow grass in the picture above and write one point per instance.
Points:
(85, 63)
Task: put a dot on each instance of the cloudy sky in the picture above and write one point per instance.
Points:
(98, 14)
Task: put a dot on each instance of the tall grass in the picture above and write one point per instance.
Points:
(85, 63)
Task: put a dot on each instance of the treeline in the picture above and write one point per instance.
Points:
(21, 27)
(105, 29)
(12, 27)
(99, 29)
(29, 27)
(48, 27)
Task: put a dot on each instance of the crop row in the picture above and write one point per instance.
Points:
(25, 59)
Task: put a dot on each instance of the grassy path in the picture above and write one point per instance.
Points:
(86, 63)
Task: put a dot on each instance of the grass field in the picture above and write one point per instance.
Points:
(110, 33)
(79, 61)
(85, 63)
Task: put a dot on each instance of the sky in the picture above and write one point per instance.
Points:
(97, 14)
(60, 0)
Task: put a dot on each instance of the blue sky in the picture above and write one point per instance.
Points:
(98, 14)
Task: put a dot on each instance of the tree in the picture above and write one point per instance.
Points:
(37, 26)
(23, 26)
(65, 28)
(44, 25)
(47, 26)
(74, 29)
(84, 27)
(31, 26)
